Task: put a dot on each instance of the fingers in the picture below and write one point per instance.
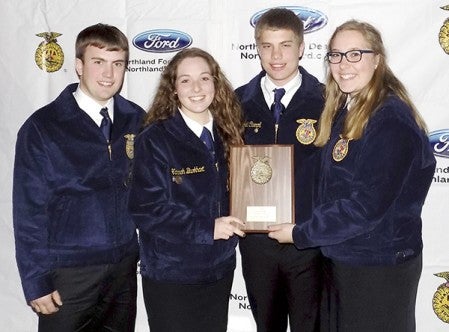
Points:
(57, 298)
(273, 228)
(45, 309)
(47, 304)
(226, 227)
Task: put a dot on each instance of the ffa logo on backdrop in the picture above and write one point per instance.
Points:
(443, 36)
(440, 301)
(49, 55)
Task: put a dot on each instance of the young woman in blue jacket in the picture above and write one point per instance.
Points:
(180, 200)
(377, 167)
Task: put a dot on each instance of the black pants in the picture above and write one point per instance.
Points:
(187, 308)
(283, 284)
(372, 298)
(95, 298)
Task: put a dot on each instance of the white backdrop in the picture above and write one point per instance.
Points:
(410, 29)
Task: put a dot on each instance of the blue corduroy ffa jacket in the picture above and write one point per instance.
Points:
(177, 193)
(69, 195)
(370, 202)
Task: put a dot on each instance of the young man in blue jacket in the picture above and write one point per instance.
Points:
(76, 245)
(283, 283)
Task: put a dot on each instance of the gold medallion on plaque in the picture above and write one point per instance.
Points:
(341, 149)
(261, 171)
(129, 147)
(306, 133)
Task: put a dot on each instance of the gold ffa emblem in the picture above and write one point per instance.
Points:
(49, 55)
(261, 171)
(443, 36)
(440, 300)
(306, 133)
(129, 147)
(341, 149)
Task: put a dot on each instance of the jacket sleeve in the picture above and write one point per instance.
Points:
(152, 205)
(30, 219)
(380, 172)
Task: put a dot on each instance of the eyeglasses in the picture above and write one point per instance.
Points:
(351, 56)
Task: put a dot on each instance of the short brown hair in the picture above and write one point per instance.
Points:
(279, 18)
(101, 35)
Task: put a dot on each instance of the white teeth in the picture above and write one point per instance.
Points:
(106, 83)
(347, 76)
(199, 98)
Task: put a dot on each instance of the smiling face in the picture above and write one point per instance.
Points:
(280, 51)
(352, 77)
(195, 88)
(101, 72)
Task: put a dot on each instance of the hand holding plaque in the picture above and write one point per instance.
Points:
(262, 185)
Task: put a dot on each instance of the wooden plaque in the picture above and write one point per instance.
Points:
(262, 185)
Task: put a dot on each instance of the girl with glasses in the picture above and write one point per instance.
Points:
(377, 166)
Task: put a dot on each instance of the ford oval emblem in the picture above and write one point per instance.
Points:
(313, 19)
(162, 41)
(439, 140)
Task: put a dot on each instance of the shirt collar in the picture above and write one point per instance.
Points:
(291, 87)
(196, 127)
(91, 107)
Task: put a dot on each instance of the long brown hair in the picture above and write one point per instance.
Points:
(365, 103)
(225, 108)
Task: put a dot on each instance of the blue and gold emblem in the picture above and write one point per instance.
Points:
(306, 133)
(341, 149)
(129, 146)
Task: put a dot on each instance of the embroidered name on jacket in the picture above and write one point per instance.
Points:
(255, 125)
(188, 170)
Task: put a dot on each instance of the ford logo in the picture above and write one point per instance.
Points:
(162, 41)
(313, 19)
(439, 140)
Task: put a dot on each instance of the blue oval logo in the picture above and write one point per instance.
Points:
(162, 41)
(439, 140)
(313, 19)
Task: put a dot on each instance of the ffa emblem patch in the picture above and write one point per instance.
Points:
(129, 147)
(306, 133)
(341, 149)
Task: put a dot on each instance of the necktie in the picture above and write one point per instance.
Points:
(106, 124)
(206, 137)
(277, 106)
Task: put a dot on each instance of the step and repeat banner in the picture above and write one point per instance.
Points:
(415, 32)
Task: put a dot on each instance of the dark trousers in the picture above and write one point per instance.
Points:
(187, 308)
(283, 284)
(371, 298)
(95, 298)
